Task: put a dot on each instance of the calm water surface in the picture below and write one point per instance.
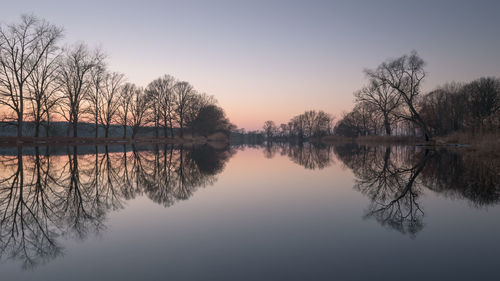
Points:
(277, 212)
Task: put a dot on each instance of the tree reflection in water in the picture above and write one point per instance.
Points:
(388, 176)
(44, 197)
(308, 155)
(394, 177)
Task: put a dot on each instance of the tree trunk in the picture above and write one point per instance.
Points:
(171, 128)
(165, 127)
(125, 126)
(37, 129)
(181, 126)
(96, 128)
(75, 127)
(48, 125)
(20, 113)
(387, 125)
(19, 125)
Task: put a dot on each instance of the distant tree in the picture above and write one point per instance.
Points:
(22, 47)
(444, 109)
(284, 130)
(404, 74)
(297, 126)
(270, 129)
(359, 122)
(483, 99)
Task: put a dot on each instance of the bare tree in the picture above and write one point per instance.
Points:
(483, 100)
(109, 104)
(138, 109)
(22, 47)
(404, 74)
(125, 102)
(74, 75)
(161, 90)
(184, 93)
(270, 129)
(383, 97)
(97, 75)
(42, 88)
(197, 103)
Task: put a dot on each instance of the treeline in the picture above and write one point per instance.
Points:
(393, 104)
(310, 124)
(42, 82)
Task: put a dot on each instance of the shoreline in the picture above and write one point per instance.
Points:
(49, 141)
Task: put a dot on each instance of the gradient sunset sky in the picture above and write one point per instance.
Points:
(274, 59)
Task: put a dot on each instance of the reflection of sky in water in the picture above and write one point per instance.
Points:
(272, 219)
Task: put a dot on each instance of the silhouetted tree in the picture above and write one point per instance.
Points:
(110, 101)
(211, 119)
(138, 109)
(97, 77)
(161, 90)
(384, 98)
(270, 129)
(22, 48)
(404, 75)
(183, 95)
(125, 103)
(74, 75)
(43, 89)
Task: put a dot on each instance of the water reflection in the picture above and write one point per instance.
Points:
(47, 194)
(308, 155)
(44, 197)
(395, 177)
(388, 176)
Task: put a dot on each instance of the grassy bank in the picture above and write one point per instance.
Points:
(477, 142)
(372, 140)
(487, 144)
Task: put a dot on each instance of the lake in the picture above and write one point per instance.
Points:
(275, 212)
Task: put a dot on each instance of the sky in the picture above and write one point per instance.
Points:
(272, 60)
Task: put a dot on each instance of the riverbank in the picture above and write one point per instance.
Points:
(373, 140)
(484, 142)
(486, 145)
(217, 139)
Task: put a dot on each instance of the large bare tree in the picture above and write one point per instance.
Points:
(183, 95)
(405, 75)
(161, 90)
(74, 75)
(138, 110)
(109, 104)
(43, 88)
(125, 103)
(22, 46)
(97, 75)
